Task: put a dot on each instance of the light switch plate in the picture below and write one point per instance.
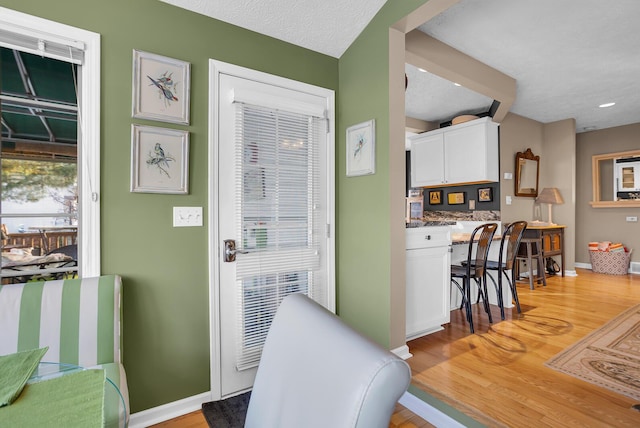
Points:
(632, 218)
(508, 200)
(508, 176)
(187, 216)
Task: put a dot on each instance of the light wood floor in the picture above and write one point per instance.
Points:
(498, 375)
(402, 418)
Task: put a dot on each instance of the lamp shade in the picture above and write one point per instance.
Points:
(550, 195)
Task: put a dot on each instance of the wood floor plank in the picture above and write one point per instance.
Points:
(499, 372)
(498, 375)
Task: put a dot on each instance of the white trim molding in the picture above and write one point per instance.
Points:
(168, 411)
(402, 352)
(88, 119)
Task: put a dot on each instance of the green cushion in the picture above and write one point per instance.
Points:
(15, 371)
(78, 319)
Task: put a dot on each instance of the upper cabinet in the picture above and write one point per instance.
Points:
(467, 153)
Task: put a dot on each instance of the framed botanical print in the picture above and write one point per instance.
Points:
(159, 160)
(361, 149)
(160, 88)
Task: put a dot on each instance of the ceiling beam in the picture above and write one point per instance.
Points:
(425, 52)
(418, 126)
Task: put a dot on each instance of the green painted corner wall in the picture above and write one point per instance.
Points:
(363, 203)
(164, 269)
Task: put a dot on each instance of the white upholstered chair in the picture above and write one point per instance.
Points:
(316, 371)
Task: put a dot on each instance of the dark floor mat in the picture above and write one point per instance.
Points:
(229, 413)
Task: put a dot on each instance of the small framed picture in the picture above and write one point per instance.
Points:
(160, 88)
(456, 198)
(485, 194)
(159, 160)
(361, 149)
(435, 197)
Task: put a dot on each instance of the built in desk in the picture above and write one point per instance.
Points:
(552, 237)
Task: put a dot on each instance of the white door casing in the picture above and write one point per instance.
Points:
(88, 120)
(230, 85)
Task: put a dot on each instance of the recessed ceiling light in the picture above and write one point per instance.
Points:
(457, 84)
(606, 105)
(422, 70)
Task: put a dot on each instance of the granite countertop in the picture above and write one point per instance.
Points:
(430, 223)
(463, 238)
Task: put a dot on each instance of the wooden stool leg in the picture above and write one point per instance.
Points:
(530, 265)
(541, 273)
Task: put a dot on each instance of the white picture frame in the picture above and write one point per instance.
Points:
(361, 149)
(161, 88)
(159, 160)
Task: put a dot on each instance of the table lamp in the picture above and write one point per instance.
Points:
(551, 196)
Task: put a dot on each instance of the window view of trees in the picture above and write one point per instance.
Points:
(49, 187)
(39, 168)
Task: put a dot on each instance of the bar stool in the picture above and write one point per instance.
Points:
(475, 268)
(511, 238)
(530, 250)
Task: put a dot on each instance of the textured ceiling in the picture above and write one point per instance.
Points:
(567, 56)
(328, 26)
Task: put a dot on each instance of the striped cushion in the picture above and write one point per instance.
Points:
(78, 319)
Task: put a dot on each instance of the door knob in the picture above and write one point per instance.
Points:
(230, 250)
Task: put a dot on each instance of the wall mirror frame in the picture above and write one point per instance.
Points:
(603, 181)
(527, 174)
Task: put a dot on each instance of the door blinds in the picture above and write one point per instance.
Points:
(279, 217)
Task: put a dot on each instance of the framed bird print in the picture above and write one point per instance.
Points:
(361, 149)
(159, 160)
(160, 88)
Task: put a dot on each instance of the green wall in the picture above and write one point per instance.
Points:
(363, 207)
(164, 269)
(165, 272)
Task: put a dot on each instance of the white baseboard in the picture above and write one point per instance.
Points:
(168, 411)
(402, 352)
(427, 412)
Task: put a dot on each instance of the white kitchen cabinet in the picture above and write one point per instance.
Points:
(428, 276)
(460, 154)
(427, 166)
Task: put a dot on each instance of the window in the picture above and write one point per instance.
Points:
(50, 148)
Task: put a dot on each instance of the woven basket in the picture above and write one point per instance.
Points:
(610, 263)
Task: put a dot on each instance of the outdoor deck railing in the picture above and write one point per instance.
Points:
(35, 240)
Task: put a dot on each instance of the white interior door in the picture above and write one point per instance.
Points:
(272, 182)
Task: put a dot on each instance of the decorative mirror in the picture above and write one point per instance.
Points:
(527, 171)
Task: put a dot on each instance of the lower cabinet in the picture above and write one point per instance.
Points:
(428, 277)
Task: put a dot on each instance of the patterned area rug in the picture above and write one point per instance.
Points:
(607, 357)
